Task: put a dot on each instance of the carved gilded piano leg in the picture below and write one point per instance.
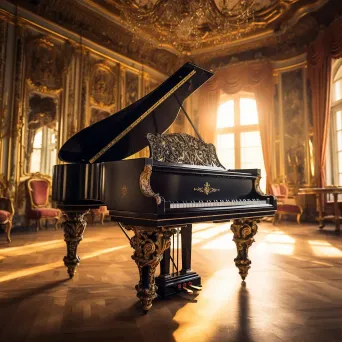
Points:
(73, 226)
(244, 231)
(149, 244)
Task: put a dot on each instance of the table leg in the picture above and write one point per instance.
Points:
(319, 209)
(336, 213)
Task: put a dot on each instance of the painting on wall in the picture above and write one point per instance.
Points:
(294, 127)
(98, 115)
(103, 85)
(132, 88)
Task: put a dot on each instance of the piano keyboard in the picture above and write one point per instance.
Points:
(222, 203)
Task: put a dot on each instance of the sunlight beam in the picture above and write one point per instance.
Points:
(39, 247)
(323, 248)
(53, 265)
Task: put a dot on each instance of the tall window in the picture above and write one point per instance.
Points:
(334, 153)
(44, 155)
(238, 135)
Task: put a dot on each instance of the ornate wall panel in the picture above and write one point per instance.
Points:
(46, 65)
(293, 123)
(104, 86)
(54, 83)
(132, 87)
(17, 119)
(4, 120)
(293, 127)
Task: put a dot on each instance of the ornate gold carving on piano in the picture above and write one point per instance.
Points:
(103, 85)
(149, 244)
(145, 186)
(142, 117)
(182, 148)
(257, 186)
(124, 191)
(73, 225)
(206, 189)
(244, 231)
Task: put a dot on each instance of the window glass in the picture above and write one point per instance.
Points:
(238, 142)
(37, 142)
(339, 161)
(248, 112)
(339, 120)
(340, 179)
(337, 90)
(225, 115)
(226, 150)
(35, 160)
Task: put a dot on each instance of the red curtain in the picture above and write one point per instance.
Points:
(328, 45)
(253, 77)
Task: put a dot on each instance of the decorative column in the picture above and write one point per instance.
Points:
(149, 244)
(74, 226)
(17, 119)
(244, 231)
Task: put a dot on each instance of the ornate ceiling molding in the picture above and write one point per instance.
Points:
(282, 28)
(270, 17)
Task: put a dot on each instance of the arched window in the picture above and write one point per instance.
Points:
(334, 152)
(43, 155)
(238, 136)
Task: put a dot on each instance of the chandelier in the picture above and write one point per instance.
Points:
(190, 24)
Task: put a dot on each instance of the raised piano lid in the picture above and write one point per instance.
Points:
(124, 133)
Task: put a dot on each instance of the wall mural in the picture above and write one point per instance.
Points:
(103, 85)
(44, 63)
(98, 115)
(103, 90)
(294, 127)
(132, 88)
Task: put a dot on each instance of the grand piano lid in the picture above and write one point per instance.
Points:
(124, 133)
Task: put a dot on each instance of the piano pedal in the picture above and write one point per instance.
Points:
(187, 290)
(194, 287)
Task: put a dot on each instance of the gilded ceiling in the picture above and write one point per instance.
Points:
(165, 33)
(196, 27)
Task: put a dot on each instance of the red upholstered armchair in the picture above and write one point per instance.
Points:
(286, 205)
(102, 212)
(6, 209)
(38, 208)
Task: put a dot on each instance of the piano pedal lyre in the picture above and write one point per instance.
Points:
(189, 288)
(196, 288)
(186, 289)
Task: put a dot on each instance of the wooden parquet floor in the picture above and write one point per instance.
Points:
(293, 290)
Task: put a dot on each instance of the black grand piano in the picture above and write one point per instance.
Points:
(182, 182)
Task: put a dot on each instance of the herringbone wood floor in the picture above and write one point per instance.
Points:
(293, 291)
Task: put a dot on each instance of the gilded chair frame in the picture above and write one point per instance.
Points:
(9, 222)
(44, 205)
(286, 200)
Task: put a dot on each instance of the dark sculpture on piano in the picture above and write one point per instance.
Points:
(157, 198)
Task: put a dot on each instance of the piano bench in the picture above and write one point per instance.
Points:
(288, 209)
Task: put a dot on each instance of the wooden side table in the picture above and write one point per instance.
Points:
(319, 192)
